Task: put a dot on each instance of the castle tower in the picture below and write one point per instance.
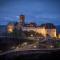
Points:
(22, 18)
(21, 21)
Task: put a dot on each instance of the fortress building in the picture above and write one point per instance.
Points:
(44, 29)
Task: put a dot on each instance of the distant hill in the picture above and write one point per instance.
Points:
(58, 28)
(2, 28)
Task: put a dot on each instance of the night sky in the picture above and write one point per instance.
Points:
(39, 11)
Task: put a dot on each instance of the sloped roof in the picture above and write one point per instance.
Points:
(48, 25)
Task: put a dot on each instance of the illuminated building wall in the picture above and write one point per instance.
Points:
(51, 32)
(58, 36)
(10, 27)
(41, 30)
(36, 29)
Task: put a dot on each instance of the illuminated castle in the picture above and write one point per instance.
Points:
(44, 29)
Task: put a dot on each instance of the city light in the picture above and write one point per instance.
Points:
(35, 46)
(31, 35)
(25, 43)
(52, 46)
(10, 30)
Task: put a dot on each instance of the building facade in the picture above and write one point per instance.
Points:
(44, 29)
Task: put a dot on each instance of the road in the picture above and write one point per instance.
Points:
(26, 51)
